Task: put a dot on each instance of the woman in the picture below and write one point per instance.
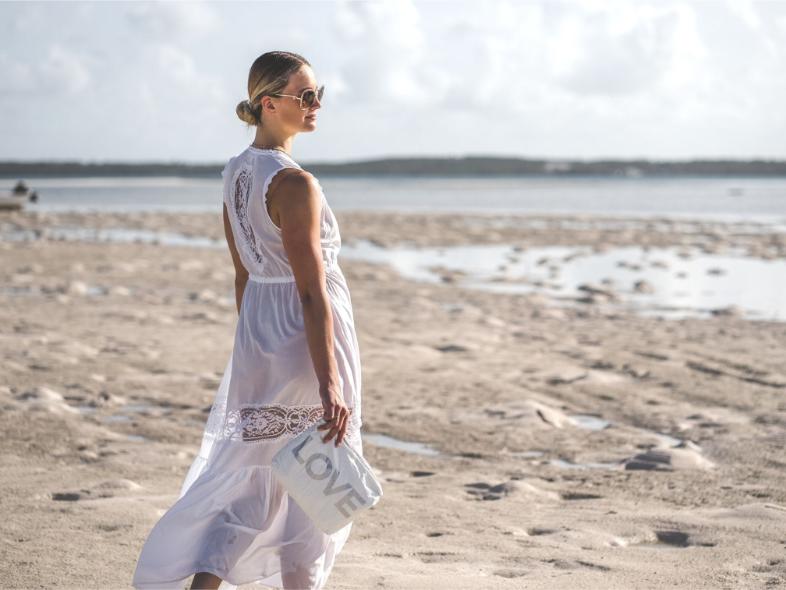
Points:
(294, 362)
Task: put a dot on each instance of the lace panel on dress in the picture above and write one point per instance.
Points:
(241, 192)
(269, 422)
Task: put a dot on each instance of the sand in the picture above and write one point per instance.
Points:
(575, 447)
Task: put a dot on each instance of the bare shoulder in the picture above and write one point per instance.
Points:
(298, 182)
(292, 189)
(297, 189)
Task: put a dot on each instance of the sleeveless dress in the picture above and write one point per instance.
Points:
(233, 518)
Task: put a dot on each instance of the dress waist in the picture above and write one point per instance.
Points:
(261, 279)
(333, 268)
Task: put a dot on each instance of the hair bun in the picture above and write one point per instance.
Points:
(245, 112)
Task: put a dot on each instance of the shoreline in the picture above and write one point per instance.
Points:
(449, 228)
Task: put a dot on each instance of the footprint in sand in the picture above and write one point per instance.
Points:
(565, 564)
(486, 491)
(539, 532)
(440, 556)
(111, 528)
(106, 489)
(452, 348)
(579, 496)
(510, 573)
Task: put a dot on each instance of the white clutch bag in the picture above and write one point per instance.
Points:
(331, 484)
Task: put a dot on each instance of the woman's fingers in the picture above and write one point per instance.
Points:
(330, 433)
(337, 426)
(330, 425)
(342, 427)
(339, 431)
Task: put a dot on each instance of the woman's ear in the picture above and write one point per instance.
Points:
(268, 105)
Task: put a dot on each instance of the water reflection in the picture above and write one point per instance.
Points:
(670, 282)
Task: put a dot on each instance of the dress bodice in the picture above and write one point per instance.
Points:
(247, 178)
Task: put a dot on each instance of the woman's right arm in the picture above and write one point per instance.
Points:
(241, 274)
(300, 211)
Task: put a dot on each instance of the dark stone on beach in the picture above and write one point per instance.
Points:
(651, 460)
(451, 348)
(675, 538)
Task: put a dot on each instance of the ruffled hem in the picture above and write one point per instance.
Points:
(241, 526)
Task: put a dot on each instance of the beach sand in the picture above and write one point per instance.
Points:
(577, 447)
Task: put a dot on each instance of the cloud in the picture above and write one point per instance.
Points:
(177, 71)
(746, 11)
(64, 69)
(166, 20)
(626, 49)
(61, 72)
(495, 60)
(384, 50)
(16, 77)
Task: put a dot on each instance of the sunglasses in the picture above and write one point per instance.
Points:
(307, 97)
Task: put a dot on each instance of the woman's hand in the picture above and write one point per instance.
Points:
(336, 414)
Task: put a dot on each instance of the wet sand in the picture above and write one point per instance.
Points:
(581, 446)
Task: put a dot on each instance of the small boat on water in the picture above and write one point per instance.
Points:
(15, 199)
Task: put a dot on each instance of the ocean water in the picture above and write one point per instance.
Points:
(750, 199)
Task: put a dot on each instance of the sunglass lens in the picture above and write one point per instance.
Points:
(308, 98)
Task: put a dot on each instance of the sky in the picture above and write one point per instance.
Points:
(579, 79)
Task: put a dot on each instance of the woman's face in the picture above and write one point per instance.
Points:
(290, 113)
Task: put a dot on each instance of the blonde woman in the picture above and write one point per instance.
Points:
(295, 361)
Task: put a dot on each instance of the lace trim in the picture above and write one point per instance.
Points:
(270, 422)
(241, 194)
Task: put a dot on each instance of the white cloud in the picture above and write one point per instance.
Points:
(61, 72)
(181, 81)
(167, 20)
(619, 49)
(385, 54)
(494, 61)
(64, 71)
(746, 11)
(16, 77)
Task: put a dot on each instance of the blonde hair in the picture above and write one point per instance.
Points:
(269, 74)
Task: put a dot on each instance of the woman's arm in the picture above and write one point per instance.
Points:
(300, 210)
(241, 274)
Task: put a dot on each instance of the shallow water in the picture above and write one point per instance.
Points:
(389, 442)
(589, 422)
(565, 464)
(117, 235)
(683, 282)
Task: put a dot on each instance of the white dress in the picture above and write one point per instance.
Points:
(233, 518)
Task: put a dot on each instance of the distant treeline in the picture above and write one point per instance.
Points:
(423, 166)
